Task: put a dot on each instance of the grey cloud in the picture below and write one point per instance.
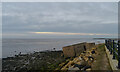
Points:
(60, 17)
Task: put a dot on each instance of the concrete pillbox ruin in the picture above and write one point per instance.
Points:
(76, 49)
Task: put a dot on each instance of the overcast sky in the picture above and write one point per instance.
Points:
(59, 20)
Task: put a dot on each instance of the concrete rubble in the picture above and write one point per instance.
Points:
(81, 62)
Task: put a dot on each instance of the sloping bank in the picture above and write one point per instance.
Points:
(93, 58)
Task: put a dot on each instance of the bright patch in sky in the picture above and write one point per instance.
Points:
(63, 33)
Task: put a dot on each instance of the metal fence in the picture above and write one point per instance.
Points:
(114, 47)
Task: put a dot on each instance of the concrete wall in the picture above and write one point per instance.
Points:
(79, 48)
(69, 51)
(76, 49)
(89, 46)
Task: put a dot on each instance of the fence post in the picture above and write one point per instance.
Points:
(106, 43)
(110, 44)
(118, 54)
(113, 50)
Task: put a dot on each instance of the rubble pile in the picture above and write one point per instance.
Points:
(82, 62)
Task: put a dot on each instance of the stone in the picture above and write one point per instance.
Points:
(69, 64)
(93, 52)
(79, 66)
(90, 58)
(80, 58)
(84, 63)
(73, 68)
(86, 67)
(78, 63)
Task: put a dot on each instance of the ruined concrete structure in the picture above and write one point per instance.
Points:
(76, 49)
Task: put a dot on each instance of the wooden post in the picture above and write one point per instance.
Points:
(118, 54)
(113, 50)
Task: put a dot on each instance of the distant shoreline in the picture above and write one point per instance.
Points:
(106, 38)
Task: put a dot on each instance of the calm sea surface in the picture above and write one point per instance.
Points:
(10, 47)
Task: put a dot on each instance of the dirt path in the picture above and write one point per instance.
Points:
(101, 62)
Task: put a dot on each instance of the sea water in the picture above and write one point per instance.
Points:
(11, 47)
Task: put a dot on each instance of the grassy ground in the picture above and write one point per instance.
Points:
(101, 62)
